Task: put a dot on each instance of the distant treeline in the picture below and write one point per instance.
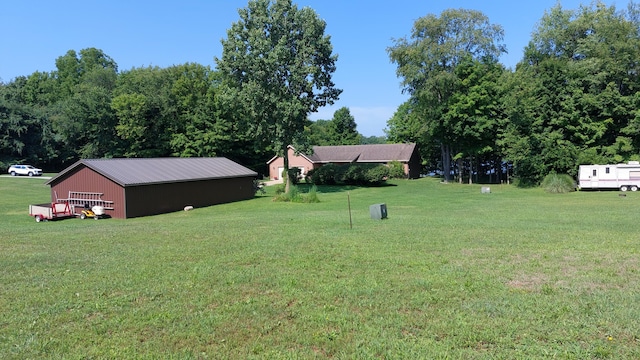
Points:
(86, 108)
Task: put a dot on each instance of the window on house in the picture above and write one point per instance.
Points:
(595, 172)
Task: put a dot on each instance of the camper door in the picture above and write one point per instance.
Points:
(594, 177)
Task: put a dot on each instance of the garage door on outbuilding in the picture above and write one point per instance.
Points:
(130, 188)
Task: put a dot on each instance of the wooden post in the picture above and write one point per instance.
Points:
(349, 202)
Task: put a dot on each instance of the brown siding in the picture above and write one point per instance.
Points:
(87, 180)
(155, 199)
(414, 165)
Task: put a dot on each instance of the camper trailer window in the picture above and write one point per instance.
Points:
(595, 172)
(606, 170)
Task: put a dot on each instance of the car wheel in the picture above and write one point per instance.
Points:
(13, 173)
(30, 174)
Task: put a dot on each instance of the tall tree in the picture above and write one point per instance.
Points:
(427, 62)
(82, 115)
(575, 92)
(318, 133)
(342, 128)
(277, 63)
(474, 113)
(144, 117)
(24, 131)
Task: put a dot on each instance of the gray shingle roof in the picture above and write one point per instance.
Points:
(362, 153)
(136, 171)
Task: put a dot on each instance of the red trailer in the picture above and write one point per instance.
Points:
(44, 212)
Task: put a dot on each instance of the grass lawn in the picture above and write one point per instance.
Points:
(451, 274)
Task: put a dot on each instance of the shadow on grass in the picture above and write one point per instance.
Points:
(326, 189)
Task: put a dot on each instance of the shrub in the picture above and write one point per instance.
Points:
(312, 196)
(396, 170)
(308, 177)
(258, 187)
(377, 175)
(351, 174)
(558, 183)
(280, 189)
(294, 175)
(325, 175)
(294, 195)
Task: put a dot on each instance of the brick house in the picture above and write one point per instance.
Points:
(406, 154)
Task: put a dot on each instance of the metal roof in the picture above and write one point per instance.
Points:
(363, 153)
(139, 171)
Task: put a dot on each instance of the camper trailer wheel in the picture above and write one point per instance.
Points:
(634, 188)
(624, 188)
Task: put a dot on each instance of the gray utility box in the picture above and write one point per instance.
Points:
(378, 211)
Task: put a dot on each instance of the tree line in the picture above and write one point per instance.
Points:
(86, 108)
(571, 100)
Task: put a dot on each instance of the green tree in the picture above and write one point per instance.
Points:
(277, 63)
(85, 122)
(141, 102)
(342, 128)
(474, 114)
(72, 67)
(374, 140)
(573, 97)
(24, 131)
(81, 116)
(427, 62)
(407, 126)
(318, 133)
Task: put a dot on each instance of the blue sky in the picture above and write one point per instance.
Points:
(164, 33)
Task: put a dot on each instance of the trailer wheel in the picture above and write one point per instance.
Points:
(634, 188)
(624, 188)
(38, 218)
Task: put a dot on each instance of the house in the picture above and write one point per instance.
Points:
(407, 154)
(129, 188)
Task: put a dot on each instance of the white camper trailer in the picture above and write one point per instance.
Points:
(621, 176)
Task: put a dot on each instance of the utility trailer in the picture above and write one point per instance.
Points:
(44, 212)
(619, 176)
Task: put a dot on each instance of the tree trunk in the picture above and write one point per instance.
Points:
(446, 161)
(471, 170)
(285, 175)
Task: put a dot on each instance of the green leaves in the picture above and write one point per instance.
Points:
(278, 63)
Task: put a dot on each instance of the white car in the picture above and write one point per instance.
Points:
(24, 170)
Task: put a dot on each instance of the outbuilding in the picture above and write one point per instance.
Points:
(135, 187)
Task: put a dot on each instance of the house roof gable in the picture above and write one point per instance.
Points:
(139, 171)
(294, 150)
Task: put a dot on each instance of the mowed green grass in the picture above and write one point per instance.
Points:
(451, 274)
